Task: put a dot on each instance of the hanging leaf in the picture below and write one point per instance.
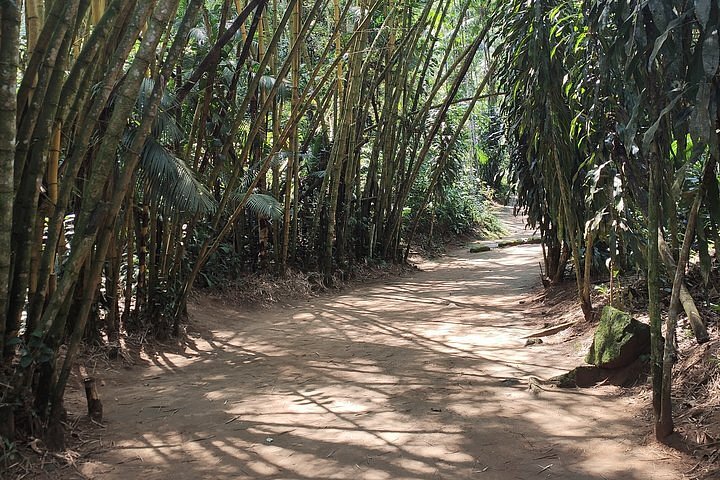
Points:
(639, 36)
(171, 183)
(702, 12)
(629, 130)
(711, 53)
(703, 252)
(701, 125)
(712, 200)
(266, 83)
(660, 14)
(593, 224)
(679, 180)
(199, 35)
(660, 41)
(650, 133)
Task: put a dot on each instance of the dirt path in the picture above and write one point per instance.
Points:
(418, 377)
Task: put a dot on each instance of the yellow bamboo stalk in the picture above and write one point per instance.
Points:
(239, 6)
(97, 10)
(293, 140)
(52, 182)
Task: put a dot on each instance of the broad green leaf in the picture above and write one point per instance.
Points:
(25, 361)
(265, 206)
(482, 157)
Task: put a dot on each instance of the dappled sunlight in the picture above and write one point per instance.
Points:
(420, 379)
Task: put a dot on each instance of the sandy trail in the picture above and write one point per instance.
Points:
(420, 377)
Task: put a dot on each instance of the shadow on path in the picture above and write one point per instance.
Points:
(415, 378)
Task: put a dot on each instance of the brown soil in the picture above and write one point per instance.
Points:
(423, 376)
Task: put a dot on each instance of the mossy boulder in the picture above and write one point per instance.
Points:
(619, 340)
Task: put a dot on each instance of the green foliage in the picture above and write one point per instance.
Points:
(33, 350)
(490, 152)
(618, 100)
(462, 209)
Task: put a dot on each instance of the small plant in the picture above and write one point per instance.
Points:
(35, 350)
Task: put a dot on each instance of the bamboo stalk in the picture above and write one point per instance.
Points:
(9, 61)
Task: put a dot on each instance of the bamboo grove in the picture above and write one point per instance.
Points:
(147, 147)
(612, 126)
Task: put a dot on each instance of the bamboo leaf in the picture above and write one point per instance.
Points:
(679, 180)
(650, 133)
(660, 41)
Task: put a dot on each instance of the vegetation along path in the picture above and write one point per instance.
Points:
(417, 377)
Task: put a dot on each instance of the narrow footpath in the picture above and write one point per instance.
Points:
(419, 377)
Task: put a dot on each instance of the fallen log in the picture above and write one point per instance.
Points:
(521, 241)
(551, 330)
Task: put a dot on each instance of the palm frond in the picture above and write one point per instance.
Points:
(146, 88)
(171, 183)
(260, 204)
(265, 206)
(165, 126)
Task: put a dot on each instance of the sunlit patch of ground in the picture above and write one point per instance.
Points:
(420, 377)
